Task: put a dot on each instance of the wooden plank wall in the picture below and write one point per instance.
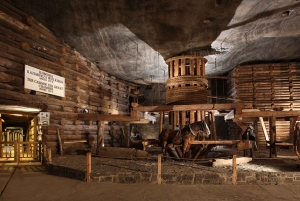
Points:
(23, 40)
(282, 132)
(267, 86)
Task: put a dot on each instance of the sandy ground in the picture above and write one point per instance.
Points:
(287, 161)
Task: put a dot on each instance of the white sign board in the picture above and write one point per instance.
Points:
(149, 117)
(44, 118)
(43, 81)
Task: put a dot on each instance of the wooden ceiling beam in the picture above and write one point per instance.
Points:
(268, 114)
(188, 107)
(106, 117)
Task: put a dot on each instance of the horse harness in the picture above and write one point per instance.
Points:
(191, 131)
(202, 129)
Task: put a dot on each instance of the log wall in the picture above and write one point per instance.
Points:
(23, 40)
(267, 86)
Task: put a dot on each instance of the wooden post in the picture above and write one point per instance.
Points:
(198, 67)
(192, 63)
(213, 123)
(293, 121)
(161, 121)
(159, 169)
(192, 116)
(100, 136)
(40, 150)
(59, 142)
(234, 175)
(264, 130)
(16, 151)
(272, 129)
(176, 68)
(183, 66)
(1, 147)
(176, 119)
(126, 135)
(88, 166)
(209, 124)
(255, 124)
(49, 156)
(173, 120)
(203, 115)
(198, 115)
(35, 135)
(44, 154)
(183, 119)
(171, 70)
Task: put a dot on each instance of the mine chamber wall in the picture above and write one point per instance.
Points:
(23, 40)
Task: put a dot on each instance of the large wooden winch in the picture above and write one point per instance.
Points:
(186, 83)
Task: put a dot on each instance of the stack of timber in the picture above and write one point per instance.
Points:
(23, 40)
(267, 86)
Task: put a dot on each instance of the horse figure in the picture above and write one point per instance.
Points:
(250, 135)
(183, 137)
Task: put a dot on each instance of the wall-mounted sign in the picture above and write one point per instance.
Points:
(149, 117)
(44, 118)
(43, 81)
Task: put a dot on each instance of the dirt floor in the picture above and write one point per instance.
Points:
(286, 161)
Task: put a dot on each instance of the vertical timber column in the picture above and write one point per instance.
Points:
(202, 115)
(100, 136)
(183, 66)
(1, 147)
(198, 67)
(161, 121)
(35, 135)
(171, 69)
(209, 124)
(198, 115)
(183, 117)
(176, 67)
(169, 119)
(126, 135)
(293, 121)
(192, 63)
(203, 67)
(255, 124)
(272, 128)
(213, 123)
(176, 119)
(192, 116)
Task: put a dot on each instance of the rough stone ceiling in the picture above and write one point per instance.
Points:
(130, 39)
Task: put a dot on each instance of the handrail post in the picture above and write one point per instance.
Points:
(159, 169)
(88, 166)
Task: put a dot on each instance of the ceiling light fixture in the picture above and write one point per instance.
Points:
(19, 108)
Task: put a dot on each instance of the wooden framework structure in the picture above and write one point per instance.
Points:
(186, 79)
(238, 113)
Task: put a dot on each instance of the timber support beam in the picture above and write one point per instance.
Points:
(106, 117)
